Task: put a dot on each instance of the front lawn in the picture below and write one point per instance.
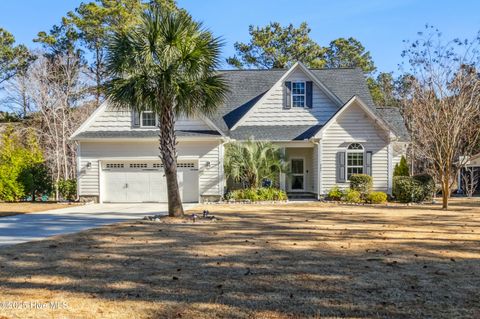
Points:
(283, 261)
(10, 209)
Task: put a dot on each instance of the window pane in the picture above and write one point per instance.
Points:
(148, 119)
(298, 88)
(298, 101)
(297, 166)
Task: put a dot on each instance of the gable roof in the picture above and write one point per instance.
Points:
(247, 87)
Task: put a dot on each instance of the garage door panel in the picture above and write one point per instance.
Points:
(146, 182)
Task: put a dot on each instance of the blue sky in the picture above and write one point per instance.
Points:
(381, 25)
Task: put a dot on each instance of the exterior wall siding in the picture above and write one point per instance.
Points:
(272, 111)
(118, 120)
(210, 176)
(354, 125)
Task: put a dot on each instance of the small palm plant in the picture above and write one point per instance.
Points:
(251, 162)
(166, 64)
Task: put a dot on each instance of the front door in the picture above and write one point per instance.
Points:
(298, 177)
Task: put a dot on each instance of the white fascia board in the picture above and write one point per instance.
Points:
(365, 108)
(89, 121)
(153, 139)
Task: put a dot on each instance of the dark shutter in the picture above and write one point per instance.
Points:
(341, 167)
(287, 95)
(368, 163)
(309, 88)
(135, 119)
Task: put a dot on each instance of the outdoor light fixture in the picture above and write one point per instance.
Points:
(89, 164)
(208, 164)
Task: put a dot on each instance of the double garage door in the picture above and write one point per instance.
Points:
(137, 182)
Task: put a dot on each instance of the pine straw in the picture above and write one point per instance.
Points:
(258, 261)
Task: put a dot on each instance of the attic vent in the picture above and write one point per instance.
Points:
(138, 165)
(186, 165)
(114, 165)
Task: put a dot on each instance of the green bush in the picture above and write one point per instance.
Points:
(406, 189)
(401, 169)
(427, 184)
(36, 180)
(257, 194)
(353, 196)
(335, 193)
(362, 183)
(67, 189)
(376, 197)
(413, 189)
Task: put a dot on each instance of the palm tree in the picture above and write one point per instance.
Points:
(166, 64)
(251, 162)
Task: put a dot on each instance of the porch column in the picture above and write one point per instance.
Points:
(283, 178)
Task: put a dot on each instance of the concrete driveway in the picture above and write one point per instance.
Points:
(35, 226)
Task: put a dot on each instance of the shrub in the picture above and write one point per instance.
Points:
(401, 169)
(335, 193)
(361, 183)
(376, 197)
(67, 189)
(36, 180)
(353, 196)
(406, 189)
(257, 194)
(427, 184)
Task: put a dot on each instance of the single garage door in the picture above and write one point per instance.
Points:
(137, 182)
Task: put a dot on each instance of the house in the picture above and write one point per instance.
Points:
(324, 121)
(469, 176)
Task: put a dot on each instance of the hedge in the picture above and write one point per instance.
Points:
(257, 194)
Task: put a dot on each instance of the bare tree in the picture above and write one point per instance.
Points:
(54, 91)
(443, 105)
(471, 180)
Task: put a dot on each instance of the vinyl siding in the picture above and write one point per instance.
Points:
(117, 120)
(354, 125)
(272, 111)
(210, 178)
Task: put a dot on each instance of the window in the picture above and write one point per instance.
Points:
(298, 94)
(354, 159)
(148, 119)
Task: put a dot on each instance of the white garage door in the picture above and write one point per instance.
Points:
(136, 182)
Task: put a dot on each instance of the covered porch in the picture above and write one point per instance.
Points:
(301, 182)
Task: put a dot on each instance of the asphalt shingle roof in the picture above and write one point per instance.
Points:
(275, 133)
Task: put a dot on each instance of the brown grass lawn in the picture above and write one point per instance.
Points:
(10, 209)
(282, 261)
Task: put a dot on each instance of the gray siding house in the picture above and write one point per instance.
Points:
(324, 121)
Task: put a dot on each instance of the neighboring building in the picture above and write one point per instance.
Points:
(324, 120)
(470, 173)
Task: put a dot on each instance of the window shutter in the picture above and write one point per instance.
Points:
(135, 119)
(341, 167)
(368, 163)
(309, 92)
(287, 94)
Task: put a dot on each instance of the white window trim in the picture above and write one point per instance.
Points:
(147, 126)
(354, 166)
(304, 94)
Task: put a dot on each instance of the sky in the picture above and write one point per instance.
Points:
(380, 25)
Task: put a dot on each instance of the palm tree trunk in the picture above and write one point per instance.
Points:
(169, 160)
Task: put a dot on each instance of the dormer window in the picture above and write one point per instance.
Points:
(298, 94)
(148, 119)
